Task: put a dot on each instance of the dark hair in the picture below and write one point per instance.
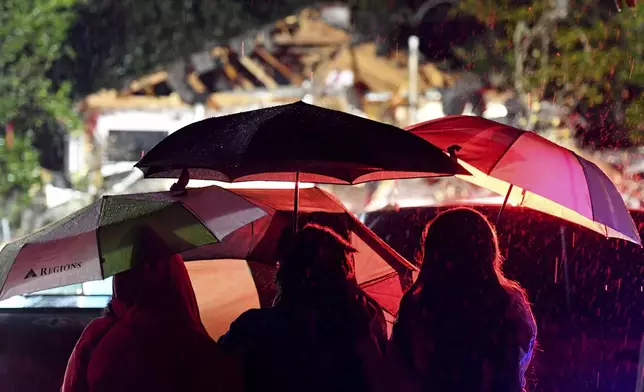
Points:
(337, 223)
(460, 253)
(108, 311)
(317, 260)
(461, 243)
(461, 287)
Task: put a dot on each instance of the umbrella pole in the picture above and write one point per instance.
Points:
(296, 200)
(505, 201)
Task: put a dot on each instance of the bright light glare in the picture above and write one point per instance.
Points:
(494, 200)
(252, 184)
(14, 302)
(495, 110)
(419, 202)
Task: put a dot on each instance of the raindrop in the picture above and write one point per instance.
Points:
(556, 268)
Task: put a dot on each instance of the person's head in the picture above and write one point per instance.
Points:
(459, 244)
(317, 260)
(148, 274)
(157, 284)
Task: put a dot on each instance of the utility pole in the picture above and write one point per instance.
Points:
(412, 90)
(5, 230)
(200, 112)
(95, 186)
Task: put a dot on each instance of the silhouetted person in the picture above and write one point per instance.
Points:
(151, 337)
(462, 326)
(322, 334)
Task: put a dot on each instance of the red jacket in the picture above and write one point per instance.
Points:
(151, 339)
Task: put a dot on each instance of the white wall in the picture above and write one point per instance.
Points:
(76, 160)
(139, 120)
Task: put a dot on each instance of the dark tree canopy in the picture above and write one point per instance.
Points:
(115, 41)
(590, 60)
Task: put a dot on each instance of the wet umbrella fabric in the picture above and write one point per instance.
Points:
(273, 144)
(533, 172)
(380, 271)
(100, 240)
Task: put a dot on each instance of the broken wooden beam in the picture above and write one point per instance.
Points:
(257, 71)
(230, 71)
(293, 77)
(145, 81)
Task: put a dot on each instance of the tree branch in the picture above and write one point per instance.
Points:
(584, 41)
(520, 53)
(523, 39)
(425, 8)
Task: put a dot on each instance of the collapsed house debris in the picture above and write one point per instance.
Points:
(308, 56)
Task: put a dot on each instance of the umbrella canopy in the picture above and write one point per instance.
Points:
(101, 240)
(380, 271)
(275, 144)
(534, 172)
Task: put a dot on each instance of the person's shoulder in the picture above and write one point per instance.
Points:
(120, 337)
(517, 294)
(253, 317)
(410, 311)
(248, 324)
(95, 331)
(410, 301)
(100, 324)
(520, 308)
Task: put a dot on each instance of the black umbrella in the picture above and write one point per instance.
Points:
(298, 142)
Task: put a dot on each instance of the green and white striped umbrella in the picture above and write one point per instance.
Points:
(99, 240)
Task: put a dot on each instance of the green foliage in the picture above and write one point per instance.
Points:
(20, 174)
(634, 114)
(32, 35)
(633, 27)
(593, 53)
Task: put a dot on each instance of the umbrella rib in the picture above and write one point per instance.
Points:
(378, 279)
(9, 270)
(503, 154)
(252, 238)
(100, 258)
(98, 239)
(590, 194)
(185, 207)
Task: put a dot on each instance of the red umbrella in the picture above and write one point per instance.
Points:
(533, 172)
(380, 271)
